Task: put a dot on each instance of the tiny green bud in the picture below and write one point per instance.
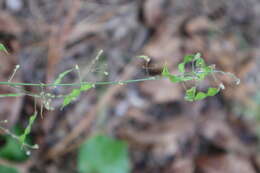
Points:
(146, 58)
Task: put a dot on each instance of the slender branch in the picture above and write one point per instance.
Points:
(79, 84)
(105, 82)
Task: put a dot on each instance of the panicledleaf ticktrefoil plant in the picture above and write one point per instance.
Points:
(199, 71)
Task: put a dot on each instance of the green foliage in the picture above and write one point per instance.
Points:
(198, 73)
(199, 70)
(103, 154)
(172, 78)
(190, 94)
(2, 48)
(11, 150)
(61, 76)
(27, 130)
(5, 169)
(187, 59)
(193, 95)
(212, 91)
(75, 94)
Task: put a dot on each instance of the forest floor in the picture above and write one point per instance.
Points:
(164, 132)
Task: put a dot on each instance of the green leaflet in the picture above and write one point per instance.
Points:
(2, 48)
(61, 76)
(188, 59)
(200, 63)
(212, 91)
(86, 87)
(71, 97)
(199, 71)
(174, 78)
(5, 169)
(192, 95)
(103, 154)
(27, 130)
(181, 67)
(75, 94)
(200, 96)
(11, 148)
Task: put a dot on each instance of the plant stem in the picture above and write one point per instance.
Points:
(79, 84)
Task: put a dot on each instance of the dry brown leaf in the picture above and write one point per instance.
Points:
(220, 134)
(165, 139)
(9, 24)
(199, 24)
(154, 12)
(163, 91)
(182, 165)
(225, 164)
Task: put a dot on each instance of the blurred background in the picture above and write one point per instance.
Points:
(161, 132)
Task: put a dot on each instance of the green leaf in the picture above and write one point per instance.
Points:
(181, 67)
(175, 79)
(200, 96)
(200, 63)
(188, 58)
(2, 48)
(71, 97)
(27, 130)
(85, 87)
(172, 78)
(103, 154)
(190, 94)
(11, 150)
(5, 169)
(212, 91)
(75, 94)
(200, 73)
(61, 76)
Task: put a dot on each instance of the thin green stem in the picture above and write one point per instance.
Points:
(79, 84)
(102, 82)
